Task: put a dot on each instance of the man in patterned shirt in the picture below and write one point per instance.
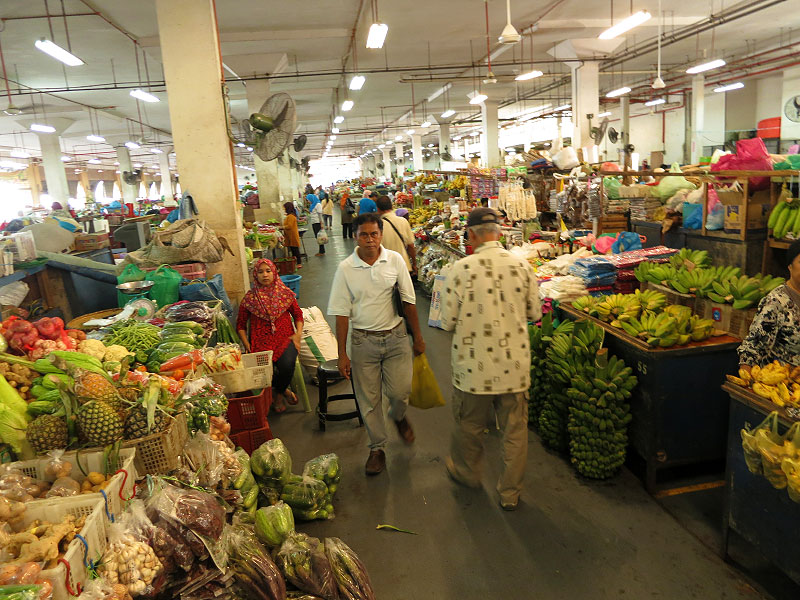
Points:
(488, 299)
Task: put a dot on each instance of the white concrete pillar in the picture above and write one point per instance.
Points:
(166, 176)
(444, 140)
(269, 188)
(54, 174)
(192, 61)
(399, 151)
(387, 164)
(585, 101)
(416, 149)
(129, 192)
(698, 117)
(285, 179)
(625, 105)
(490, 139)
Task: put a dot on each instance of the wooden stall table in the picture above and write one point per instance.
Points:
(680, 414)
(762, 515)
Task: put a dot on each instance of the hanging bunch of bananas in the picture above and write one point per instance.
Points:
(675, 326)
(599, 416)
(776, 381)
(458, 183)
(744, 292)
(690, 259)
(617, 308)
(785, 217)
(569, 356)
(650, 301)
(540, 383)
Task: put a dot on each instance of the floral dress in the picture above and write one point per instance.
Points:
(262, 338)
(775, 332)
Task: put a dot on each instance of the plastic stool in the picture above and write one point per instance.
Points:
(329, 372)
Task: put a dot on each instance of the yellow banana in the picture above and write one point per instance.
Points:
(765, 391)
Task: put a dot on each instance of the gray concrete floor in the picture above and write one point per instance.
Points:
(569, 539)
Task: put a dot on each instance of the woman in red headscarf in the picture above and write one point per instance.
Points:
(270, 307)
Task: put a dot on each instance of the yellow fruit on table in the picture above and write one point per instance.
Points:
(765, 391)
(745, 375)
(737, 380)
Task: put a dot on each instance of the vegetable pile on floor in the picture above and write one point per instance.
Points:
(599, 416)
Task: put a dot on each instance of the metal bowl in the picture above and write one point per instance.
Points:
(135, 287)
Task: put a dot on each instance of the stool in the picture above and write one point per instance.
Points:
(329, 372)
(301, 233)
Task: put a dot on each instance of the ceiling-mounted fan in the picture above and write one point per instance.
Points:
(270, 130)
(300, 142)
(598, 133)
(446, 154)
(613, 135)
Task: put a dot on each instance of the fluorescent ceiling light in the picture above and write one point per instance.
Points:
(347, 105)
(430, 145)
(335, 130)
(528, 75)
(339, 119)
(382, 146)
(58, 52)
(727, 88)
(94, 161)
(95, 138)
(65, 158)
(357, 82)
(240, 144)
(425, 124)
(19, 154)
(714, 64)
(137, 165)
(144, 96)
(655, 102)
(618, 92)
(634, 20)
(605, 114)
(448, 113)
(42, 128)
(457, 138)
(398, 138)
(156, 151)
(333, 137)
(377, 35)
(249, 148)
(564, 107)
(132, 145)
(410, 132)
(478, 98)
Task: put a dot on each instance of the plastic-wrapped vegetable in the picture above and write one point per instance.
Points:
(350, 573)
(22, 592)
(271, 464)
(194, 509)
(308, 498)
(191, 311)
(274, 524)
(325, 468)
(303, 562)
(252, 566)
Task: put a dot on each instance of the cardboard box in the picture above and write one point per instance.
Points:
(727, 318)
(91, 241)
(674, 297)
(757, 212)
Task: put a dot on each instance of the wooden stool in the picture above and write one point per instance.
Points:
(329, 372)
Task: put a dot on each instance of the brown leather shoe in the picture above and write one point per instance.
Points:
(405, 431)
(376, 462)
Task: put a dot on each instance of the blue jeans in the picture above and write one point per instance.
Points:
(381, 365)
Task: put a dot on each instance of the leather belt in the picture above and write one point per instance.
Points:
(383, 332)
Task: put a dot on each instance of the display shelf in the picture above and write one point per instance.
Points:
(778, 244)
(680, 413)
(762, 515)
(21, 274)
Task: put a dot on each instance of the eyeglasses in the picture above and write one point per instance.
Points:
(369, 234)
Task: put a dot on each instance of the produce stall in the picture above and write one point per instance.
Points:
(679, 412)
(764, 511)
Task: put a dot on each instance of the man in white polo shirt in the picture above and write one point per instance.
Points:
(362, 296)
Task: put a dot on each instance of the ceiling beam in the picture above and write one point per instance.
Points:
(265, 35)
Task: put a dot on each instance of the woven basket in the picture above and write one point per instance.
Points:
(160, 453)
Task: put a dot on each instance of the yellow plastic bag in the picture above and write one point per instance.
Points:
(752, 456)
(791, 467)
(425, 392)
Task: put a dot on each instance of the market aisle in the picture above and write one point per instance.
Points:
(569, 539)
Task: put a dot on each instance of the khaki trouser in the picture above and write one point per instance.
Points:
(472, 413)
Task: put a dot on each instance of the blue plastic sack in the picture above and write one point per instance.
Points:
(207, 290)
(716, 218)
(627, 240)
(692, 215)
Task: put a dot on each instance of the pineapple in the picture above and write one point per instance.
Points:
(99, 423)
(48, 432)
(136, 423)
(92, 386)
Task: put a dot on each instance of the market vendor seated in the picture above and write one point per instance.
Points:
(270, 307)
(775, 332)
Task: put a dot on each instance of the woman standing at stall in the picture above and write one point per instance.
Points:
(327, 212)
(775, 332)
(315, 219)
(291, 235)
(270, 307)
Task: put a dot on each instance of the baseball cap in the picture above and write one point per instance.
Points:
(482, 216)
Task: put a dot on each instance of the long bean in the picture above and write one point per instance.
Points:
(134, 335)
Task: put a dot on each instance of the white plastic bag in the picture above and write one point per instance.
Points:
(566, 158)
(322, 238)
(318, 344)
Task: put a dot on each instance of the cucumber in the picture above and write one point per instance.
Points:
(190, 339)
(180, 347)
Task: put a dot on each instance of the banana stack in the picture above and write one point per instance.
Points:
(540, 338)
(744, 292)
(676, 326)
(660, 274)
(586, 304)
(651, 301)
(785, 218)
(617, 308)
(569, 356)
(690, 259)
(776, 381)
(599, 415)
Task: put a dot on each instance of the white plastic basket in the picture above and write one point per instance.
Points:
(89, 547)
(117, 492)
(257, 374)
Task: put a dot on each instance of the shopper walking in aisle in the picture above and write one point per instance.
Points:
(367, 204)
(315, 220)
(488, 299)
(363, 295)
(327, 211)
(397, 234)
(291, 235)
(348, 213)
(270, 307)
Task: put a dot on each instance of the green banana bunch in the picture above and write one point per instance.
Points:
(687, 258)
(696, 281)
(540, 338)
(586, 304)
(700, 329)
(618, 307)
(650, 300)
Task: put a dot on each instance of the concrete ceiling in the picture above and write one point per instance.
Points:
(305, 46)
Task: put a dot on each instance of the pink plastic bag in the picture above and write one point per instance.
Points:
(604, 243)
(750, 155)
(713, 200)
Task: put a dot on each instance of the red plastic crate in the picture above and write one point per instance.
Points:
(251, 439)
(247, 412)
